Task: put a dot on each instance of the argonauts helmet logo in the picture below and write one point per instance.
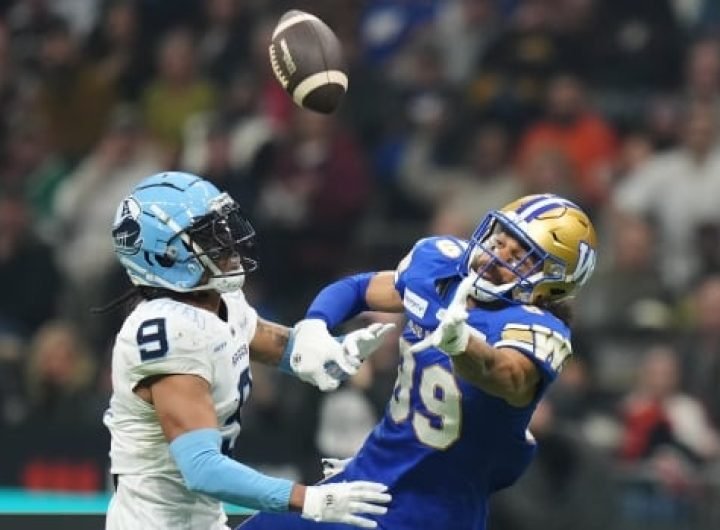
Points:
(126, 229)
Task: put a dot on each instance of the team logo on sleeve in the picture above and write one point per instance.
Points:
(126, 229)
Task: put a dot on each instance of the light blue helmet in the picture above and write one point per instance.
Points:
(177, 231)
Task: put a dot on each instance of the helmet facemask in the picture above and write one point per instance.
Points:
(223, 241)
(529, 268)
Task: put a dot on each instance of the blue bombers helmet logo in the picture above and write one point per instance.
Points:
(586, 263)
(126, 228)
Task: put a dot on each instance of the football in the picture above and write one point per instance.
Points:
(307, 60)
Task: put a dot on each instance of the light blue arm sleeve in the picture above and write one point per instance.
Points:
(205, 470)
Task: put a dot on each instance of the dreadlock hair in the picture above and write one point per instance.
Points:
(562, 309)
(139, 293)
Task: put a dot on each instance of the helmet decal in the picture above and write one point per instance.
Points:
(126, 228)
(586, 263)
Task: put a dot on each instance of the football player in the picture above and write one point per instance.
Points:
(181, 372)
(487, 333)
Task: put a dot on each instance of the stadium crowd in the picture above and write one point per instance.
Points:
(455, 107)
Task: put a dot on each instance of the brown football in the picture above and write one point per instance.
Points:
(306, 58)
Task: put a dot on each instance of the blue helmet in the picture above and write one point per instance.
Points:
(177, 231)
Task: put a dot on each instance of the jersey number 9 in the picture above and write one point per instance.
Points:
(152, 339)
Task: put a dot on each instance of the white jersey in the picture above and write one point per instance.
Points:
(161, 337)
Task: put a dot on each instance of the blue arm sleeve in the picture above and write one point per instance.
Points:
(206, 470)
(341, 300)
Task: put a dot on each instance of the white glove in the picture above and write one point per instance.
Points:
(362, 343)
(339, 503)
(333, 466)
(315, 351)
(453, 333)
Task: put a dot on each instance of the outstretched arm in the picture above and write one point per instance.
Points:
(350, 296)
(187, 416)
(269, 342)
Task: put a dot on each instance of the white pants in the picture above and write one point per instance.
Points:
(161, 502)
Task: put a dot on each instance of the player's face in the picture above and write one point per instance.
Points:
(510, 254)
(229, 262)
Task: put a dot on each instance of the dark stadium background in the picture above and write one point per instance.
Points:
(454, 107)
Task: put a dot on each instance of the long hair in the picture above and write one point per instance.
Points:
(139, 293)
(562, 309)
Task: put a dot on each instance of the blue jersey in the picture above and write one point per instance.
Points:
(444, 445)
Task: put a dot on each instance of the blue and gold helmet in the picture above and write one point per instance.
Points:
(175, 229)
(560, 250)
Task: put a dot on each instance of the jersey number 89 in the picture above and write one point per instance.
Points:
(439, 426)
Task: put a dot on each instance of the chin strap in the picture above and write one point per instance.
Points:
(226, 284)
(486, 291)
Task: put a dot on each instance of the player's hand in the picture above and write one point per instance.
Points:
(333, 466)
(453, 333)
(342, 502)
(317, 357)
(362, 343)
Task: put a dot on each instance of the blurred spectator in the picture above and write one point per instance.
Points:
(572, 127)
(60, 378)
(635, 45)
(119, 49)
(701, 347)
(692, 172)
(464, 29)
(81, 14)
(30, 22)
(567, 474)
(513, 72)
(312, 201)
(379, 382)
(663, 120)
(14, 87)
(387, 25)
(177, 92)
(636, 149)
(274, 101)
(224, 43)
(31, 167)
(29, 280)
(702, 72)
(423, 142)
(85, 207)
(231, 146)
(74, 99)
(666, 432)
(580, 405)
(461, 195)
(346, 417)
(658, 415)
(281, 409)
(367, 115)
(547, 169)
(708, 248)
(627, 291)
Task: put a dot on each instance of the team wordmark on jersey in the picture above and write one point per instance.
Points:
(415, 303)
